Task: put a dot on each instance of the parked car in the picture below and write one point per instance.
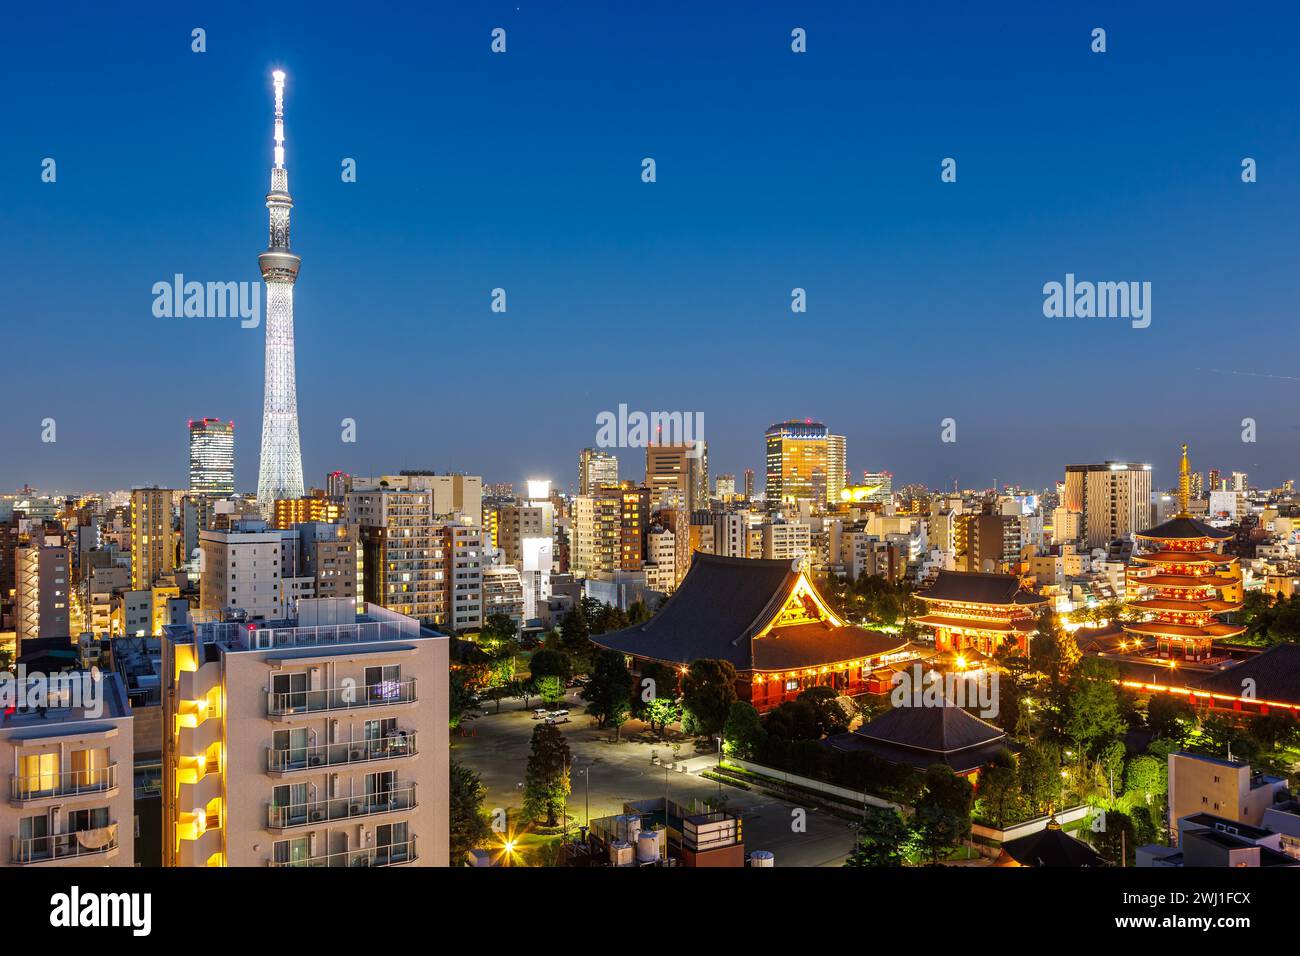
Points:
(540, 712)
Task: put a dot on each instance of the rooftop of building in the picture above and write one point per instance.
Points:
(922, 736)
(69, 697)
(979, 587)
(321, 622)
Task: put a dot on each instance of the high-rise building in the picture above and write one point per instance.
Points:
(724, 487)
(1114, 498)
(837, 454)
(880, 485)
(280, 469)
(320, 741)
(244, 568)
(212, 456)
(796, 462)
(749, 484)
(153, 537)
(678, 473)
(42, 584)
(596, 469)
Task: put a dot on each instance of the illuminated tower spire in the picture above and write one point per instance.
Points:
(280, 470)
(1184, 485)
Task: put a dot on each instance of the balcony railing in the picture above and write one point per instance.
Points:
(394, 854)
(313, 812)
(63, 846)
(70, 783)
(322, 756)
(358, 696)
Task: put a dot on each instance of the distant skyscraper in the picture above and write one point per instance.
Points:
(1114, 498)
(596, 469)
(280, 471)
(153, 537)
(796, 462)
(212, 457)
(724, 486)
(749, 484)
(837, 453)
(680, 471)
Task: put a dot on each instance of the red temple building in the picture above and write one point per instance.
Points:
(979, 611)
(1183, 582)
(769, 621)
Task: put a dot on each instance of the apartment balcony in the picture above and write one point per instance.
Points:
(26, 790)
(395, 854)
(84, 848)
(325, 756)
(314, 812)
(358, 697)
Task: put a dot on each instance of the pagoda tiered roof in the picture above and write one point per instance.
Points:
(1182, 528)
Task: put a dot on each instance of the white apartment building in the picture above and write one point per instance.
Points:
(320, 741)
(241, 568)
(70, 800)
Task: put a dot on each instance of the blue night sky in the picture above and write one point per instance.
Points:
(775, 170)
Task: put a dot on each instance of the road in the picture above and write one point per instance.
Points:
(497, 749)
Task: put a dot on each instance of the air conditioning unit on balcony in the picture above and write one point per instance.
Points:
(356, 808)
(358, 755)
(316, 760)
(317, 816)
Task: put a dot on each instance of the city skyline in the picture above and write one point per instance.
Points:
(931, 288)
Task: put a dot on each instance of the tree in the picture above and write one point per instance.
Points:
(498, 629)
(1119, 831)
(942, 818)
(608, 693)
(832, 715)
(1170, 717)
(883, 838)
(460, 696)
(663, 683)
(998, 791)
(708, 691)
(1040, 777)
(637, 612)
(546, 778)
(469, 825)
(794, 720)
(1093, 710)
(575, 639)
(550, 663)
(659, 713)
(1146, 778)
(743, 734)
(1053, 650)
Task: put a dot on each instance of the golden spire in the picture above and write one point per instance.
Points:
(1184, 485)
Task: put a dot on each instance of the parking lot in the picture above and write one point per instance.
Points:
(497, 746)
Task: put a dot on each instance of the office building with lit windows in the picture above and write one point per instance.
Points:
(797, 462)
(212, 456)
(319, 741)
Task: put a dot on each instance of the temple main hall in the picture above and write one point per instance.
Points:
(767, 619)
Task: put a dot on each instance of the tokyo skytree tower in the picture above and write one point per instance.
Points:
(280, 472)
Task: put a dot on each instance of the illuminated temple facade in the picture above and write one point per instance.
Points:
(769, 621)
(969, 610)
(1183, 582)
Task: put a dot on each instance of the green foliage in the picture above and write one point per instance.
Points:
(550, 663)
(608, 692)
(1093, 715)
(1120, 831)
(663, 686)
(1039, 774)
(831, 715)
(469, 824)
(1146, 778)
(708, 691)
(660, 712)
(460, 697)
(546, 778)
(743, 734)
(1171, 717)
(883, 839)
(1053, 650)
(943, 814)
(998, 792)
(793, 720)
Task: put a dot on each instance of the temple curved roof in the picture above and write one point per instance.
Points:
(731, 609)
(979, 587)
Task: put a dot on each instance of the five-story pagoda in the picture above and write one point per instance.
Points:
(1181, 582)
